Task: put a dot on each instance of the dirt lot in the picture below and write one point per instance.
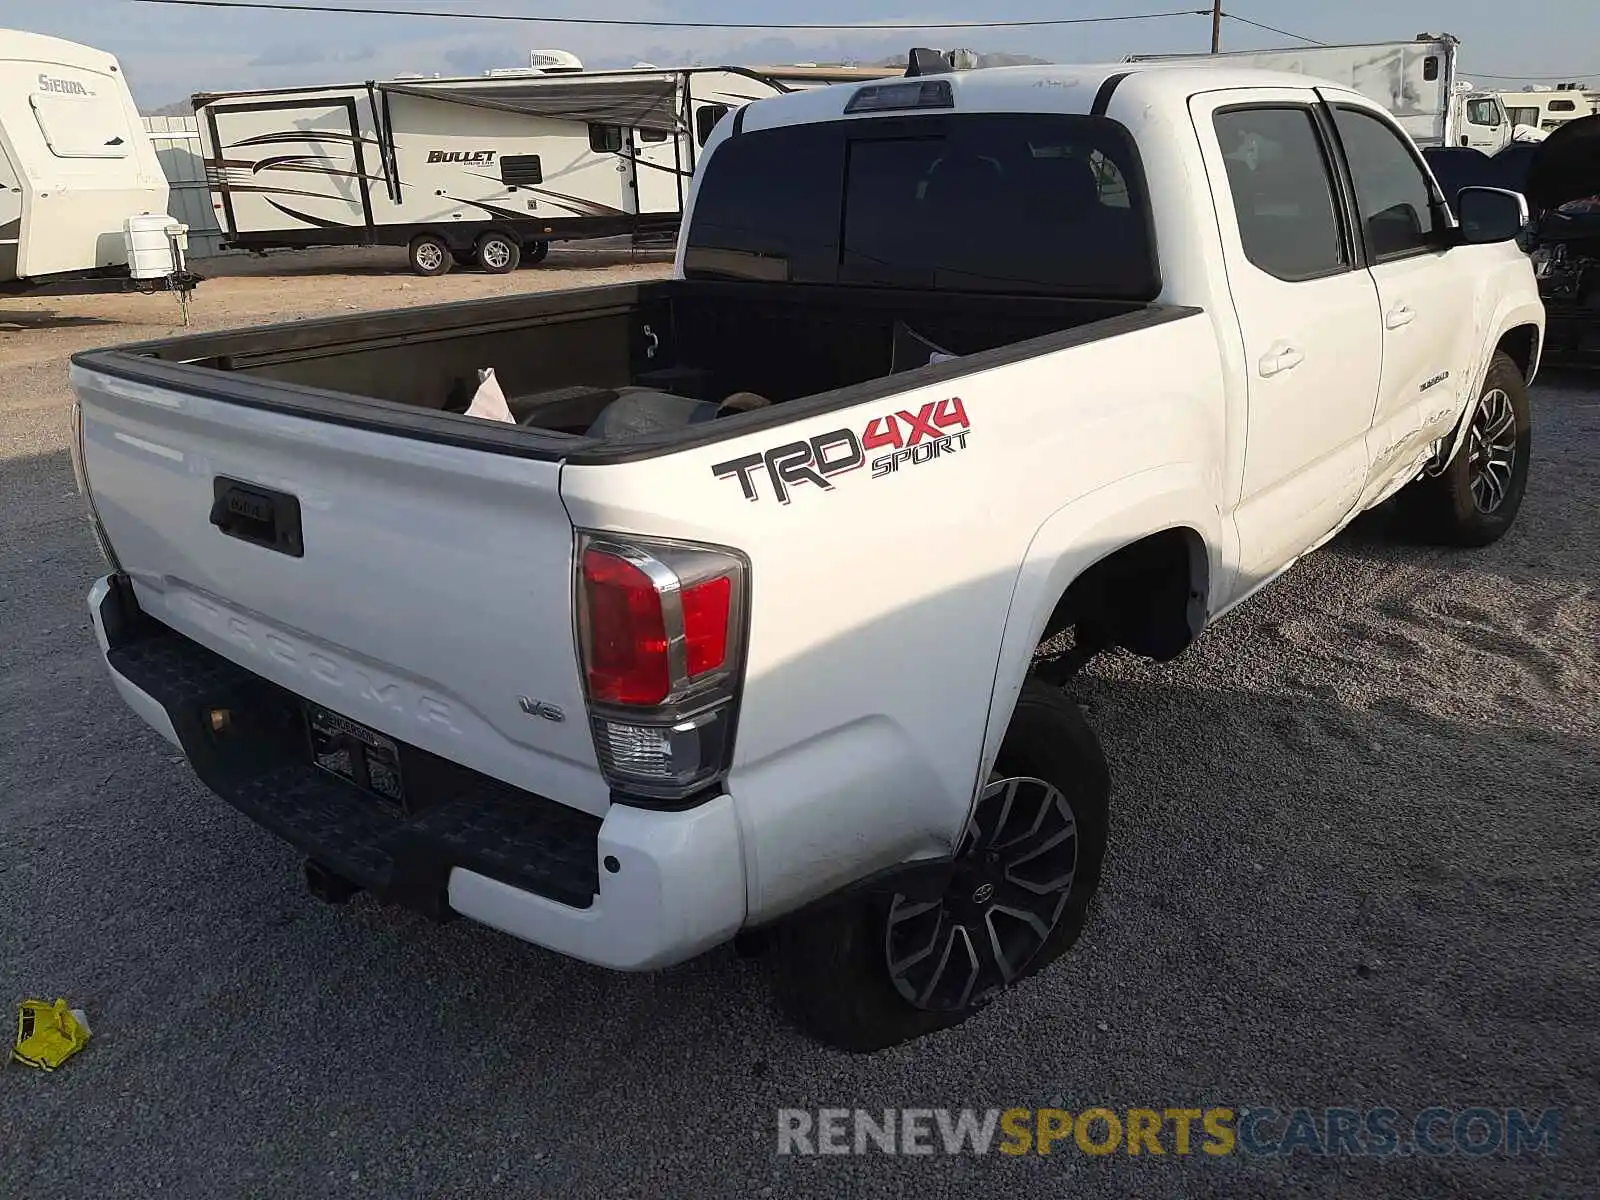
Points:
(1354, 864)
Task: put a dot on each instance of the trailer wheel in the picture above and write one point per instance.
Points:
(535, 252)
(464, 258)
(498, 254)
(430, 255)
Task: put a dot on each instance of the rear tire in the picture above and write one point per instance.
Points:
(429, 255)
(1475, 500)
(535, 252)
(498, 254)
(855, 975)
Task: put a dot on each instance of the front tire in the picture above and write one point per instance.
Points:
(430, 256)
(498, 254)
(1475, 499)
(879, 969)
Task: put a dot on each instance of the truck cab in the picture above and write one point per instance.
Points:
(1481, 121)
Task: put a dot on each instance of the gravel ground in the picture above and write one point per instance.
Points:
(1353, 865)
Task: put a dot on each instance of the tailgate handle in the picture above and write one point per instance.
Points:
(257, 515)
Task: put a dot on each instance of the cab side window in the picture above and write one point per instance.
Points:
(1483, 112)
(1393, 193)
(1282, 192)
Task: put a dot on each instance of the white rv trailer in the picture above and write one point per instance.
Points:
(1417, 81)
(75, 165)
(483, 169)
(1548, 109)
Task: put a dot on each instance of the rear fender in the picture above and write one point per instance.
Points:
(1071, 541)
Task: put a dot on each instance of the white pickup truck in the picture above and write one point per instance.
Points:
(735, 628)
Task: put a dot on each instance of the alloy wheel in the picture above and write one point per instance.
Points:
(429, 256)
(1492, 450)
(1014, 872)
(496, 254)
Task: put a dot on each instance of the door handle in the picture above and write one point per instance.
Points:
(1400, 314)
(1282, 357)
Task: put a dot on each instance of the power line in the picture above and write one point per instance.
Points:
(1299, 37)
(273, 6)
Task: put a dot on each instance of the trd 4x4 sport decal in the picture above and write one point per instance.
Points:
(938, 428)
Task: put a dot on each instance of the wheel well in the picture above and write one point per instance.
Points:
(1521, 344)
(1149, 597)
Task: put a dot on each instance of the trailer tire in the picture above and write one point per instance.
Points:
(429, 255)
(836, 976)
(534, 253)
(498, 253)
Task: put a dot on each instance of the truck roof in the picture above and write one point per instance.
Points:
(1059, 88)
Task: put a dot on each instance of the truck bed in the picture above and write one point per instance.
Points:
(560, 357)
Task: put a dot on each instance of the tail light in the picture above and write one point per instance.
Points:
(661, 637)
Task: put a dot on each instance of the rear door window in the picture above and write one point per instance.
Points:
(1282, 192)
(1051, 204)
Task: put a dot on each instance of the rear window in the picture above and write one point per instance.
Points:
(1001, 202)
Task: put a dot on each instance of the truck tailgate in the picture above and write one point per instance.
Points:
(425, 589)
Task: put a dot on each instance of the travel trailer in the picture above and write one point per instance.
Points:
(1550, 108)
(83, 202)
(1417, 81)
(486, 170)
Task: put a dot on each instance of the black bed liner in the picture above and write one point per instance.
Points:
(218, 365)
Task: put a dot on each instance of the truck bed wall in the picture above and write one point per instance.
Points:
(712, 338)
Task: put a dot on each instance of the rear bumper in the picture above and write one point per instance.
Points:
(636, 890)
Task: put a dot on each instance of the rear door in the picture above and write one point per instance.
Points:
(1307, 313)
(1425, 290)
(292, 164)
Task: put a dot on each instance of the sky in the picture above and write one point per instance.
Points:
(169, 53)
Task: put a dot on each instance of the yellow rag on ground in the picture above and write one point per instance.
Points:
(49, 1034)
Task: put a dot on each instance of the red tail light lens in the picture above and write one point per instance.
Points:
(707, 608)
(627, 651)
(662, 627)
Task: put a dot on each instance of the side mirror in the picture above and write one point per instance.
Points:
(1490, 215)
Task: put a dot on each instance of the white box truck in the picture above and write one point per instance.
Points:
(81, 190)
(1417, 81)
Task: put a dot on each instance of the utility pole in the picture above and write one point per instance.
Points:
(1216, 26)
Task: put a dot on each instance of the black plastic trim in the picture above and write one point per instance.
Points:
(261, 764)
(1107, 89)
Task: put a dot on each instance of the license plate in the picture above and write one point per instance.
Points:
(355, 754)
